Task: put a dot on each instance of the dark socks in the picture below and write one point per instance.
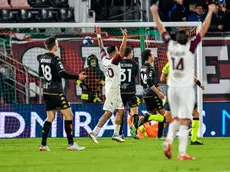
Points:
(121, 128)
(160, 129)
(135, 120)
(69, 131)
(45, 132)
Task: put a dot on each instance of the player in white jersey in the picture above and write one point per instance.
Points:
(181, 94)
(113, 100)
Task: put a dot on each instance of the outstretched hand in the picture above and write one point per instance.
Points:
(154, 8)
(212, 7)
(124, 32)
(98, 30)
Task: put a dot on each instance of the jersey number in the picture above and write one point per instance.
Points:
(46, 70)
(124, 76)
(110, 72)
(179, 65)
(144, 78)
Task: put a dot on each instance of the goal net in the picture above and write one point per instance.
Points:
(20, 44)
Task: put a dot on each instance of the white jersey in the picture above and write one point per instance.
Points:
(112, 73)
(182, 62)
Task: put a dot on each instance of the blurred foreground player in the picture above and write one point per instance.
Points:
(129, 71)
(52, 69)
(111, 63)
(195, 114)
(152, 95)
(181, 94)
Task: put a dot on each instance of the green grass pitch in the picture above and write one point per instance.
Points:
(23, 155)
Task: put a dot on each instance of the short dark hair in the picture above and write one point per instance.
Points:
(111, 49)
(145, 54)
(182, 37)
(50, 42)
(127, 51)
(199, 5)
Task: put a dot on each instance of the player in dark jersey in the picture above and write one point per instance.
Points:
(152, 95)
(129, 71)
(52, 69)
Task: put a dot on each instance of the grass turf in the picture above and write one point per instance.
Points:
(23, 155)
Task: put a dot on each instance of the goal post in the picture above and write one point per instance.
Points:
(71, 35)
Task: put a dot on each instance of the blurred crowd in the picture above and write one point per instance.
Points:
(195, 10)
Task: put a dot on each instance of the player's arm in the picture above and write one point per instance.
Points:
(157, 19)
(164, 74)
(39, 67)
(99, 39)
(124, 42)
(116, 60)
(207, 21)
(152, 84)
(196, 80)
(63, 74)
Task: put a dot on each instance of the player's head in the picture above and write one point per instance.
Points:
(129, 53)
(147, 55)
(92, 60)
(182, 37)
(112, 50)
(51, 44)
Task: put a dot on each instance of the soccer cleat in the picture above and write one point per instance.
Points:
(118, 138)
(167, 149)
(93, 137)
(75, 146)
(133, 131)
(44, 148)
(196, 143)
(143, 120)
(185, 157)
(160, 138)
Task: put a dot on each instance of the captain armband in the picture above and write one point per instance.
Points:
(198, 83)
(102, 82)
(99, 36)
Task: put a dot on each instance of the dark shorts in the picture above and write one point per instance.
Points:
(167, 107)
(129, 99)
(153, 103)
(55, 102)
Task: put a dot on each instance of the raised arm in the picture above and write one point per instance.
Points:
(124, 42)
(99, 39)
(157, 19)
(207, 20)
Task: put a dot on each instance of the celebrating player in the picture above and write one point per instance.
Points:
(195, 121)
(152, 95)
(181, 94)
(129, 71)
(52, 69)
(111, 63)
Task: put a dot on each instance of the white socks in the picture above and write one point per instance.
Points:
(183, 139)
(96, 130)
(116, 130)
(173, 128)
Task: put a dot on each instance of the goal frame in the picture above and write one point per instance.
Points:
(199, 60)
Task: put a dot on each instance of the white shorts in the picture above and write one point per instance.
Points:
(181, 101)
(113, 102)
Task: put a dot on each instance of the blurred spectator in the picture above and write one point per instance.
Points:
(226, 17)
(217, 23)
(179, 11)
(92, 85)
(198, 14)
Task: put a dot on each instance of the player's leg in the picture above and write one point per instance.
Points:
(68, 117)
(174, 125)
(186, 103)
(133, 104)
(124, 100)
(118, 120)
(195, 126)
(46, 129)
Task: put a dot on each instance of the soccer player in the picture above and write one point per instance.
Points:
(111, 63)
(181, 94)
(152, 95)
(129, 71)
(52, 69)
(195, 122)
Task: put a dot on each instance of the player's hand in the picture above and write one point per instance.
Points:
(154, 8)
(202, 87)
(212, 7)
(98, 30)
(161, 95)
(124, 32)
(82, 76)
